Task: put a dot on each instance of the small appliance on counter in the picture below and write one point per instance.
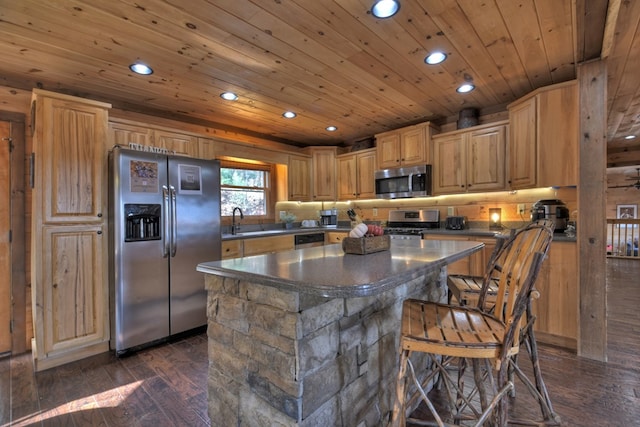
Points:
(456, 223)
(329, 218)
(552, 209)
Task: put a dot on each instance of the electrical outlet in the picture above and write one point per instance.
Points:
(282, 214)
(375, 211)
(451, 211)
(520, 208)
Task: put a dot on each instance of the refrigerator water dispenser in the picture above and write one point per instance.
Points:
(142, 222)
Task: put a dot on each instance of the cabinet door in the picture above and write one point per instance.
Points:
(299, 176)
(335, 237)
(558, 132)
(71, 305)
(412, 147)
(347, 177)
(324, 173)
(185, 145)
(486, 158)
(556, 310)
(232, 249)
(449, 164)
(366, 168)
(122, 134)
(69, 146)
(264, 245)
(388, 148)
(522, 145)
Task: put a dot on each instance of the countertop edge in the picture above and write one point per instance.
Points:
(328, 291)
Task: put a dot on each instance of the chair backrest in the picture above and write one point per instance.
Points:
(514, 268)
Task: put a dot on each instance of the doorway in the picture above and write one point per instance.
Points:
(12, 235)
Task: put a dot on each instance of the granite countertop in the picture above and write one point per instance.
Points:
(327, 271)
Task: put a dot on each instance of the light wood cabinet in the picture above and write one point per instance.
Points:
(177, 143)
(476, 263)
(407, 146)
(556, 310)
(232, 249)
(356, 175)
(122, 134)
(470, 160)
(299, 177)
(522, 145)
(69, 243)
(545, 123)
(264, 245)
(323, 172)
(332, 237)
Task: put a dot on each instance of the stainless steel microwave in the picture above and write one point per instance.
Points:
(413, 181)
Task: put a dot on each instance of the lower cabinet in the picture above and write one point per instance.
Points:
(73, 273)
(556, 309)
(232, 248)
(335, 237)
(474, 265)
(238, 248)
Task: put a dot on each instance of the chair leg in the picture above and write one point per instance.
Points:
(398, 418)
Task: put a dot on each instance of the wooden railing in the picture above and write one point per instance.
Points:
(622, 238)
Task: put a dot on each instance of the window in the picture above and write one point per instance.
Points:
(245, 185)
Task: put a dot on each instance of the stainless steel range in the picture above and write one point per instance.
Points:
(409, 224)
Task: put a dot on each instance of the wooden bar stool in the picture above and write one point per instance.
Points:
(488, 340)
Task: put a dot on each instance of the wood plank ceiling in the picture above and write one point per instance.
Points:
(330, 61)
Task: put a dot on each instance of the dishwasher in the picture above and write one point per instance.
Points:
(308, 240)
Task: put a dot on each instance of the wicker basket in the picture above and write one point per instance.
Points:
(365, 245)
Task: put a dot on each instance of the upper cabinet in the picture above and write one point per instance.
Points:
(470, 160)
(299, 177)
(123, 134)
(356, 175)
(323, 173)
(407, 146)
(544, 137)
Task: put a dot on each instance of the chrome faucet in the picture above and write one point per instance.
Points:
(234, 227)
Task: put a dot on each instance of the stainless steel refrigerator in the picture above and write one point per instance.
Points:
(164, 220)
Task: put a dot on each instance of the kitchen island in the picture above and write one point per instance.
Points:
(309, 337)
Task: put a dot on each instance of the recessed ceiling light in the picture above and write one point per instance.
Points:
(385, 8)
(141, 68)
(464, 88)
(630, 137)
(289, 114)
(228, 96)
(435, 58)
(331, 128)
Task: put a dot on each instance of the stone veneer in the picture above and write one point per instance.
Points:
(286, 358)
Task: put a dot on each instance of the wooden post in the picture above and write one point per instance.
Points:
(592, 334)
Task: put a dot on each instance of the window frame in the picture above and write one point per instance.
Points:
(270, 187)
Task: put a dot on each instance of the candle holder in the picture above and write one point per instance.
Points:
(495, 219)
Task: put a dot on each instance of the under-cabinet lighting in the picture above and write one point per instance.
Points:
(385, 8)
(228, 96)
(435, 58)
(466, 87)
(331, 128)
(140, 68)
(289, 114)
(630, 137)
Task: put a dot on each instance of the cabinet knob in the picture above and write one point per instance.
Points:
(99, 214)
(99, 232)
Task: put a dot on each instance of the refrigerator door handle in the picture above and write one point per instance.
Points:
(166, 239)
(174, 222)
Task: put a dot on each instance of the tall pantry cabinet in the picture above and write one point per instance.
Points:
(69, 236)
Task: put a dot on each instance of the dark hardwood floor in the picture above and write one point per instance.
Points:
(167, 385)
